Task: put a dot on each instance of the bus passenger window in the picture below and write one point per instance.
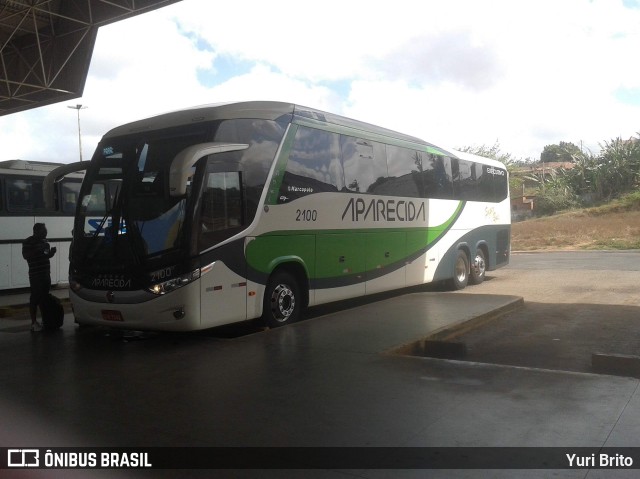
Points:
(364, 162)
(70, 191)
(314, 165)
(500, 184)
(438, 177)
(24, 195)
(465, 182)
(406, 173)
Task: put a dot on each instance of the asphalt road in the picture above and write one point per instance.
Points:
(326, 383)
(594, 277)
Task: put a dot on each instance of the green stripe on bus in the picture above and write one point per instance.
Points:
(333, 253)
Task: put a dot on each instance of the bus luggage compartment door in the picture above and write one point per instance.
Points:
(340, 266)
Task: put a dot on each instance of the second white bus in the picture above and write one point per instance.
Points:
(22, 204)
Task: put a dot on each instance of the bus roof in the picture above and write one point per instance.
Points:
(30, 168)
(28, 165)
(268, 110)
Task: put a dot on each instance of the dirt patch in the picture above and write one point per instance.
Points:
(579, 230)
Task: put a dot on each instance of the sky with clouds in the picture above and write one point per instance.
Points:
(456, 73)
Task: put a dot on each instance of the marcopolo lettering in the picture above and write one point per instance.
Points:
(384, 210)
(299, 189)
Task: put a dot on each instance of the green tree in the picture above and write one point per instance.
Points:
(494, 152)
(617, 169)
(562, 152)
(581, 177)
(555, 191)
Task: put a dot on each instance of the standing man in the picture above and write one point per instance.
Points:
(37, 252)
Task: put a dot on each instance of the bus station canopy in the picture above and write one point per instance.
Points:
(46, 46)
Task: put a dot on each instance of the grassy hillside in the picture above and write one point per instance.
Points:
(612, 226)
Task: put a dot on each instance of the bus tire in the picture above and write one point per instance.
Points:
(282, 300)
(460, 271)
(478, 268)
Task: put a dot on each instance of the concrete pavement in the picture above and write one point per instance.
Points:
(14, 306)
(333, 380)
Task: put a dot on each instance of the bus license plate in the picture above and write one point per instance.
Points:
(111, 315)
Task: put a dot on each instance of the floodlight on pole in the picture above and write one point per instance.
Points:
(78, 108)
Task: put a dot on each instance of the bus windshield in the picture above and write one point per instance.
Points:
(128, 186)
(129, 215)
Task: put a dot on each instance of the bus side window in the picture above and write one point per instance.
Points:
(500, 185)
(24, 195)
(69, 196)
(314, 165)
(405, 173)
(465, 182)
(485, 183)
(364, 162)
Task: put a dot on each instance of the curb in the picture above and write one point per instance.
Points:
(452, 331)
(616, 364)
(440, 342)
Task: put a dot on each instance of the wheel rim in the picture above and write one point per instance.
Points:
(283, 303)
(461, 269)
(479, 265)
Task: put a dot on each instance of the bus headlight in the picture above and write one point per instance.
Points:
(174, 283)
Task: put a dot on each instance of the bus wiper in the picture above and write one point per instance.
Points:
(102, 222)
(133, 240)
(94, 237)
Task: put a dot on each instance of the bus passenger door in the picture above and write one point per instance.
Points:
(221, 216)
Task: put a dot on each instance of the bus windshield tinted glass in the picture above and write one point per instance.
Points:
(129, 187)
(156, 217)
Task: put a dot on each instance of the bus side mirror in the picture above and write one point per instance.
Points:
(182, 163)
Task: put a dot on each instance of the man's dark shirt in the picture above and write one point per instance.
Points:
(37, 253)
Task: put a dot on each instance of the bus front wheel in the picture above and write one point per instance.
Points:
(460, 271)
(282, 300)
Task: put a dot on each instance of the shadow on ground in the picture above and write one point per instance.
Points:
(562, 337)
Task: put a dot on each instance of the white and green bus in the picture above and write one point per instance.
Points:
(222, 213)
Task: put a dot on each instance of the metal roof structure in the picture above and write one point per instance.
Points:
(46, 46)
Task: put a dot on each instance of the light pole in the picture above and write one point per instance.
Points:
(78, 108)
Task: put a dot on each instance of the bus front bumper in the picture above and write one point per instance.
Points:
(178, 310)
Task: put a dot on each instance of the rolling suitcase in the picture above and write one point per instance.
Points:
(52, 313)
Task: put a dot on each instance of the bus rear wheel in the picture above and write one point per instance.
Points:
(460, 271)
(478, 268)
(282, 300)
